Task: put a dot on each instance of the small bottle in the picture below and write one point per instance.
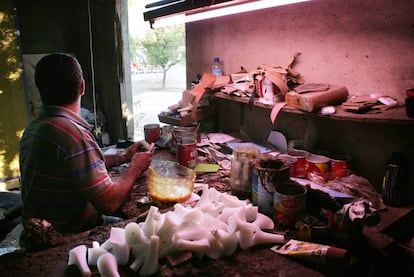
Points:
(395, 183)
(217, 70)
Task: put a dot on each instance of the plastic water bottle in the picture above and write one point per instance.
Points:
(217, 70)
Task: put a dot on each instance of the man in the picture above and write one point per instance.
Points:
(64, 174)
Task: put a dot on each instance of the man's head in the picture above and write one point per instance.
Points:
(59, 79)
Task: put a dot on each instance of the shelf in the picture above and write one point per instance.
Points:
(177, 120)
(395, 115)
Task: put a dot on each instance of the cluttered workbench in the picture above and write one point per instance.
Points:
(367, 252)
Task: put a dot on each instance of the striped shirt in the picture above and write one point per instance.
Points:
(62, 168)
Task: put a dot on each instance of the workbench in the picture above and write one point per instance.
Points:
(372, 258)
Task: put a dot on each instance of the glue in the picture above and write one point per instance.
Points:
(314, 252)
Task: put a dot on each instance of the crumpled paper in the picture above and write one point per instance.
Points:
(357, 210)
(348, 222)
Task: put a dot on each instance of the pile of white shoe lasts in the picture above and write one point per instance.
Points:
(214, 227)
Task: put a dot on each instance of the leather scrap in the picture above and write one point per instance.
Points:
(311, 87)
(207, 81)
(282, 77)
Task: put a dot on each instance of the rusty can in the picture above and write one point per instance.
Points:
(268, 173)
(187, 149)
(289, 203)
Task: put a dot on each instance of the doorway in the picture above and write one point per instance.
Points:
(158, 74)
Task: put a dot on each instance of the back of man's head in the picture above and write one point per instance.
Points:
(59, 79)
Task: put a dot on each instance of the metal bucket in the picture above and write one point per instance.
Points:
(268, 174)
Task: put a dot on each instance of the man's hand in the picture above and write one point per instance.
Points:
(138, 147)
(112, 199)
(141, 161)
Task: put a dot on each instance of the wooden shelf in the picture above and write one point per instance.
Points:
(396, 115)
(177, 120)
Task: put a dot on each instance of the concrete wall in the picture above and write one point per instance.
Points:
(363, 45)
(63, 26)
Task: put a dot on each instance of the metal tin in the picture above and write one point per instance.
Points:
(298, 168)
(268, 173)
(177, 131)
(339, 166)
(289, 204)
(152, 132)
(317, 168)
(187, 149)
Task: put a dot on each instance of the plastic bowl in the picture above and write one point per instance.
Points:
(169, 181)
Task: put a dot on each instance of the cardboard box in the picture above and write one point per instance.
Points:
(315, 100)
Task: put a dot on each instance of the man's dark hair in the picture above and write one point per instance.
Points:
(58, 77)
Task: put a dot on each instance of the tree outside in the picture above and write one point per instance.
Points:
(165, 48)
(161, 49)
(157, 67)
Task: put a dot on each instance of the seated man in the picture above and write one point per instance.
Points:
(64, 174)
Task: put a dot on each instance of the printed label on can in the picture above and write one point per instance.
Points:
(262, 192)
(289, 204)
(187, 152)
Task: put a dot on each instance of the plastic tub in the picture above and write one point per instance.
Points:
(169, 181)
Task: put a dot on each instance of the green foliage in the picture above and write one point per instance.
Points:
(136, 50)
(165, 47)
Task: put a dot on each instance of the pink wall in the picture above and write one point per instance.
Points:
(366, 46)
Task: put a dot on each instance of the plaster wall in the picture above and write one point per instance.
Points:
(363, 45)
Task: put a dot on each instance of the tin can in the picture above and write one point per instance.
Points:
(339, 166)
(151, 132)
(289, 203)
(292, 160)
(298, 168)
(317, 168)
(177, 131)
(187, 149)
(268, 173)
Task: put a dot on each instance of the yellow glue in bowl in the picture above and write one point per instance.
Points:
(169, 181)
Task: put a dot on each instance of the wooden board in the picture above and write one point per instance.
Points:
(312, 101)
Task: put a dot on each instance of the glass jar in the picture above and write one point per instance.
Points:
(241, 172)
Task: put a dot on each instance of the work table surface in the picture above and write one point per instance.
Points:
(255, 261)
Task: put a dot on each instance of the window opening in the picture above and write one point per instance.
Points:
(158, 71)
